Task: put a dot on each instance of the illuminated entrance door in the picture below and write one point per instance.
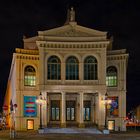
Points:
(55, 110)
(70, 110)
(87, 110)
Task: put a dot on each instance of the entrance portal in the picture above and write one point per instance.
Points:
(70, 110)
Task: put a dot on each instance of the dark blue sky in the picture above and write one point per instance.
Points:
(121, 18)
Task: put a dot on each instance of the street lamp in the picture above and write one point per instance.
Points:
(13, 109)
(107, 101)
(40, 101)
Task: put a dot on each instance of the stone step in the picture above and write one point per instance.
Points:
(72, 130)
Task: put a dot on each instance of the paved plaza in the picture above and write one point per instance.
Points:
(33, 135)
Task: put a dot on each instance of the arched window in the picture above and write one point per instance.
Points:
(72, 68)
(54, 68)
(29, 76)
(90, 68)
(111, 78)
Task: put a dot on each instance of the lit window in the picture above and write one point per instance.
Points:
(54, 68)
(72, 68)
(111, 78)
(29, 76)
(90, 68)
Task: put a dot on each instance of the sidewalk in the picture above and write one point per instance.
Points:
(33, 135)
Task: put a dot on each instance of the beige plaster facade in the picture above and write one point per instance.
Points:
(63, 42)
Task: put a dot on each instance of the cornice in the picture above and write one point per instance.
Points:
(26, 56)
(26, 51)
(117, 57)
(70, 38)
(79, 45)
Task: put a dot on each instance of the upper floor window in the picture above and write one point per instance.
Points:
(54, 68)
(72, 68)
(111, 78)
(29, 76)
(90, 68)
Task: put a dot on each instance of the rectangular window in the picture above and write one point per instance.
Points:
(53, 114)
(111, 125)
(30, 80)
(87, 110)
(30, 124)
(68, 114)
(111, 81)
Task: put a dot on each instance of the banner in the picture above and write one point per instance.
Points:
(30, 106)
(113, 108)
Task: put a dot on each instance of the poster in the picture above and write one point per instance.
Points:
(112, 108)
(30, 124)
(30, 106)
(111, 124)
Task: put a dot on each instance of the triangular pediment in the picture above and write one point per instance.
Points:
(72, 30)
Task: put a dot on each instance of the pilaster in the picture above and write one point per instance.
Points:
(81, 122)
(41, 67)
(63, 112)
(44, 110)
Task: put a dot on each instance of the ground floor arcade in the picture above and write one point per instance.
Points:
(70, 108)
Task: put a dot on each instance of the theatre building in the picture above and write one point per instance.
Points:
(72, 68)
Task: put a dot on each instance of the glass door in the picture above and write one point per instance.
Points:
(70, 110)
(87, 110)
(55, 110)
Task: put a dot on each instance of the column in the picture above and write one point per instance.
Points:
(94, 107)
(81, 122)
(44, 110)
(63, 110)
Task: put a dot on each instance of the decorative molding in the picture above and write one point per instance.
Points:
(117, 57)
(27, 57)
(26, 51)
(76, 45)
(72, 33)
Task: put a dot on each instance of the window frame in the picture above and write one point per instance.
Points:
(53, 68)
(112, 76)
(29, 76)
(90, 68)
(72, 68)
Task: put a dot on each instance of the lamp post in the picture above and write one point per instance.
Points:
(13, 109)
(40, 101)
(40, 126)
(107, 101)
(106, 96)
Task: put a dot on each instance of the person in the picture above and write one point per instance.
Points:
(4, 123)
(0, 123)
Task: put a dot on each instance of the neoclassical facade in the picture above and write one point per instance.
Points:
(73, 67)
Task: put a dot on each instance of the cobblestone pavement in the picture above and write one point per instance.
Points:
(33, 135)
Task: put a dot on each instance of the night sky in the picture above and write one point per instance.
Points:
(121, 18)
